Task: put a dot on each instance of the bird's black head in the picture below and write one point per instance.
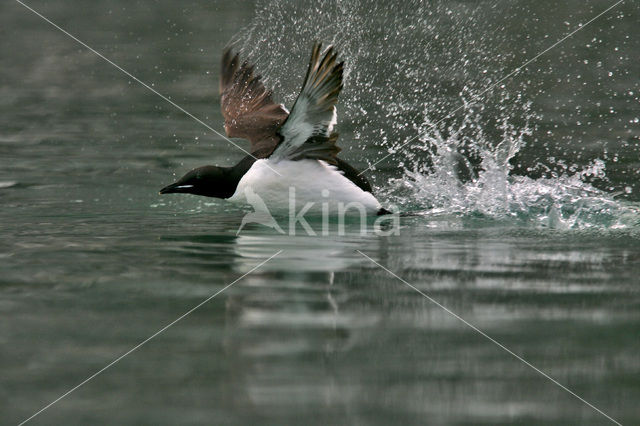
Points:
(209, 181)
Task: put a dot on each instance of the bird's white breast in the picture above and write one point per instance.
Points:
(283, 184)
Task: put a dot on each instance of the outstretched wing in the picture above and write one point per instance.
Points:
(306, 133)
(247, 107)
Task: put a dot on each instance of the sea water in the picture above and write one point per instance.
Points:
(521, 197)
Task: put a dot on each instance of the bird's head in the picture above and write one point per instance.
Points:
(209, 181)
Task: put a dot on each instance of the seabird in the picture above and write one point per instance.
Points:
(293, 160)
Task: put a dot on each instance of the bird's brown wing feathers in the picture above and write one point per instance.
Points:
(247, 107)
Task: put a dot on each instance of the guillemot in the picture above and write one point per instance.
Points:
(293, 157)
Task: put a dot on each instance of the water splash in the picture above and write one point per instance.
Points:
(420, 73)
(467, 174)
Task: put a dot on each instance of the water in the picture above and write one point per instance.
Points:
(524, 221)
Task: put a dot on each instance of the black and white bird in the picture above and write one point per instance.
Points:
(293, 157)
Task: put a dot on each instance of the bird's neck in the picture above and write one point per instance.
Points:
(233, 175)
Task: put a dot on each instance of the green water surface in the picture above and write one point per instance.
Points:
(93, 261)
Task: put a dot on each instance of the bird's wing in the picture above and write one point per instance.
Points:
(247, 107)
(307, 132)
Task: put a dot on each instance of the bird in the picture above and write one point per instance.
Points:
(293, 160)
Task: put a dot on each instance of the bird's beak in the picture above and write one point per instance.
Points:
(175, 188)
